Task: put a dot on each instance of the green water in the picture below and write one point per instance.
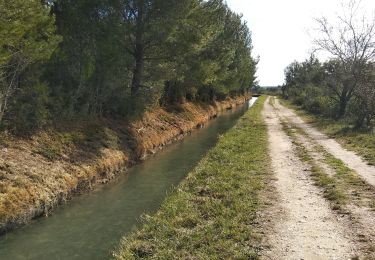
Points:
(90, 226)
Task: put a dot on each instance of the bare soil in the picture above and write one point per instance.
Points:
(352, 160)
(303, 226)
(360, 217)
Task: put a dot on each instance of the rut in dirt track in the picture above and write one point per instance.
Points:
(304, 226)
(352, 160)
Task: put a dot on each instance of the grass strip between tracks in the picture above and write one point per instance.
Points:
(359, 141)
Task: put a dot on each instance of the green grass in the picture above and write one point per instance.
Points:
(345, 186)
(48, 152)
(363, 143)
(331, 191)
(212, 212)
(358, 190)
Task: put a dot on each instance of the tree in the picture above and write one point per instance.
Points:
(211, 51)
(365, 98)
(299, 75)
(89, 68)
(27, 36)
(147, 26)
(117, 58)
(352, 43)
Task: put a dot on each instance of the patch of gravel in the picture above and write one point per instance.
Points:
(352, 160)
(303, 225)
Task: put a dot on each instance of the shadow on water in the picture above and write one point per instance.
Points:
(91, 225)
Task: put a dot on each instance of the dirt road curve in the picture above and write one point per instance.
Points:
(305, 227)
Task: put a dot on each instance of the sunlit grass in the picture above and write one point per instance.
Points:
(212, 212)
(361, 142)
(345, 186)
(331, 191)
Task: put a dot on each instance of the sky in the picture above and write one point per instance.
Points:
(282, 31)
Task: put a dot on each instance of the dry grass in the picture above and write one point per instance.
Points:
(212, 213)
(359, 141)
(345, 186)
(38, 173)
(331, 191)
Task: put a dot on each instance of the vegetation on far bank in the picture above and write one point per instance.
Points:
(64, 60)
(212, 212)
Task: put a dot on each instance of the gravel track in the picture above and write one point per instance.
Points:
(303, 225)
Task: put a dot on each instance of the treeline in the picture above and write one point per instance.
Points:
(83, 59)
(343, 87)
(333, 90)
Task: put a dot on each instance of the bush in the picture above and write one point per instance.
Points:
(29, 109)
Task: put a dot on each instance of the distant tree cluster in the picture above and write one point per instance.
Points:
(71, 59)
(344, 86)
(271, 90)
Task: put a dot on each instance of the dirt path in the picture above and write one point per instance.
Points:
(304, 226)
(352, 160)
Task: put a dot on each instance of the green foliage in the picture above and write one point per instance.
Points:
(27, 31)
(89, 71)
(211, 214)
(29, 111)
(217, 56)
(329, 89)
(49, 152)
(27, 39)
(28, 108)
(105, 58)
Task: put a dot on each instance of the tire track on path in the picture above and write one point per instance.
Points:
(352, 160)
(304, 227)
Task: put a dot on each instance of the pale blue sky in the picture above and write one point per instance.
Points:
(282, 30)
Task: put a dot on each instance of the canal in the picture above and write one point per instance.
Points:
(91, 225)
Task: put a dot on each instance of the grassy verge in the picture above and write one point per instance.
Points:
(359, 191)
(212, 212)
(363, 143)
(345, 186)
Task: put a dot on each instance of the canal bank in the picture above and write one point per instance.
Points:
(45, 170)
(213, 213)
(92, 224)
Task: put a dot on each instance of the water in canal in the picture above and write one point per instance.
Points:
(91, 225)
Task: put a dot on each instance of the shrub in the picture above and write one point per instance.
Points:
(29, 109)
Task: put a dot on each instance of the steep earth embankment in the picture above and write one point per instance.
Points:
(38, 173)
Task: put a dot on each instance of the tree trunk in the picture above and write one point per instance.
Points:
(138, 51)
(138, 70)
(1, 109)
(360, 121)
(1, 115)
(343, 102)
(342, 107)
(4, 105)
